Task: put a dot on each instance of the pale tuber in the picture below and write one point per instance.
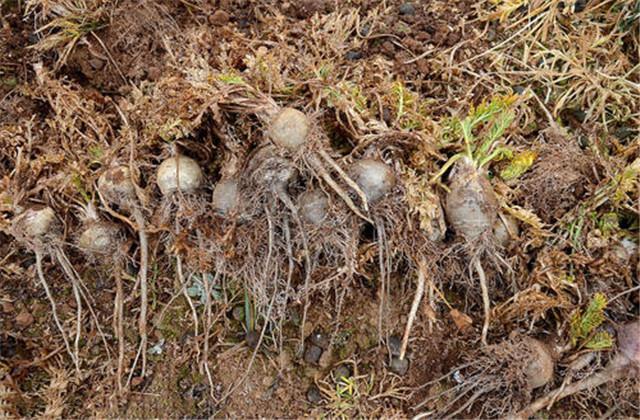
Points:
(226, 196)
(375, 178)
(179, 173)
(313, 206)
(289, 129)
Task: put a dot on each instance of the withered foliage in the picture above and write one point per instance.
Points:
(87, 85)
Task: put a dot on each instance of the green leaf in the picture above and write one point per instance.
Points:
(600, 341)
(582, 325)
(231, 79)
(519, 165)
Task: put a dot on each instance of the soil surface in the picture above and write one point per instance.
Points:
(84, 87)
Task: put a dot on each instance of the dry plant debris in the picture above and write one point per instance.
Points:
(319, 208)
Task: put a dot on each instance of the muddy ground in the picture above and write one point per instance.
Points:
(87, 85)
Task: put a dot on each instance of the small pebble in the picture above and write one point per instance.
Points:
(96, 63)
(320, 339)
(342, 371)
(579, 114)
(365, 29)
(313, 395)
(407, 9)
(579, 6)
(252, 339)
(399, 366)
(353, 55)
(312, 354)
(394, 343)
(519, 89)
(622, 133)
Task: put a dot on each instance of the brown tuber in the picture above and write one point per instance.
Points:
(539, 371)
(626, 363)
(500, 378)
(179, 173)
(471, 205)
(289, 129)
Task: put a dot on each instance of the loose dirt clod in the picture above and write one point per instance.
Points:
(312, 354)
(314, 396)
(252, 338)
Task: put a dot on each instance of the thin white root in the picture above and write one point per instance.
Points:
(54, 311)
(76, 343)
(616, 370)
(350, 182)
(76, 295)
(414, 308)
(317, 166)
(284, 197)
(383, 280)
(144, 261)
(75, 279)
(287, 236)
(119, 327)
(485, 299)
(194, 311)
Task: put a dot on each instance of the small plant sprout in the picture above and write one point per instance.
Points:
(471, 205)
(499, 378)
(116, 186)
(625, 363)
(38, 229)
